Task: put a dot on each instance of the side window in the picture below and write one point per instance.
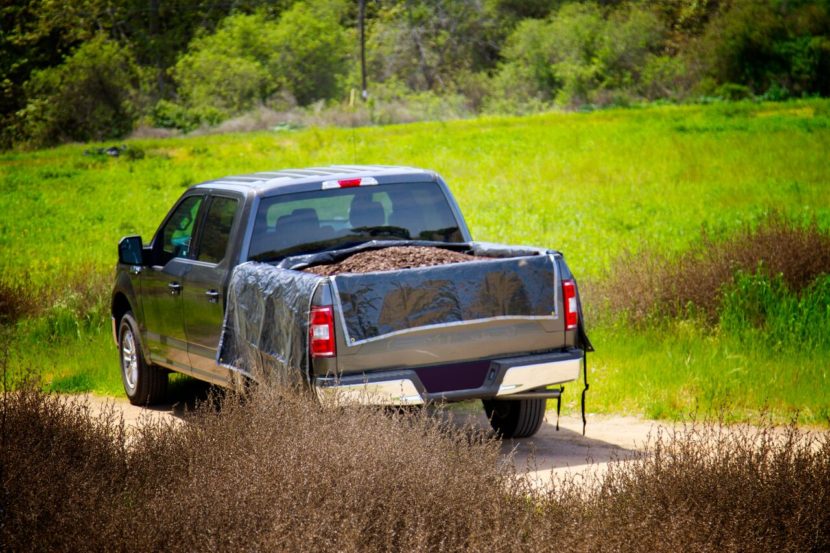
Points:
(177, 233)
(217, 229)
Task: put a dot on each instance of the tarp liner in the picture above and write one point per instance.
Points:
(377, 304)
(265, 333)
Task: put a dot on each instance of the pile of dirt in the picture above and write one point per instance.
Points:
(390, 259)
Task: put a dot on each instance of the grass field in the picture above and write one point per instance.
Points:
(593, 185)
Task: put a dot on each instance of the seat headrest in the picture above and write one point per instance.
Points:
(366, 213)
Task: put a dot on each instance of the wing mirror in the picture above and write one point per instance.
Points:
(131, 251)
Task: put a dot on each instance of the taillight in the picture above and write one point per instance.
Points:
(321, 332)
(349, 183)
(569, 299)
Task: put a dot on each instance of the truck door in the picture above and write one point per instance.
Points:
(162, 284)
(203, 296)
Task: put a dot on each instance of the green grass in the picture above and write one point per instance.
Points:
(683, 369)
(82, 362)
(591, 185)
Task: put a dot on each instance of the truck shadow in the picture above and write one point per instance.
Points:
(606, 440)
(185, 394)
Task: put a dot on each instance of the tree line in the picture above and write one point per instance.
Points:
(96, 69)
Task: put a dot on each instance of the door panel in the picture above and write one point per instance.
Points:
(162, 288)
(163, 284)
(204, 296)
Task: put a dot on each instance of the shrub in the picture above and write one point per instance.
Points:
(527, 74)
(223, 73)
(582, 55)
(648, 284)
(94, 94)
(768, 44)
(278, 472)
(16, 301)
(310, 51)
(431, 45)
(251, 60)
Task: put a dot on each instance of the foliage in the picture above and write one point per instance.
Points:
(761, 45)
(428, 44)
(649, 285)
(227, 71)
(251, 58)
(92, 95)
(581, 56)
(311, 49)
(205, 61)
(39, 34)
(527, 76)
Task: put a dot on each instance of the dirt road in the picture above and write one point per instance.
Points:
(547, 453)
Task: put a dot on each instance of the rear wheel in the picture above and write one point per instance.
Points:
(515, 418)
(144, 383)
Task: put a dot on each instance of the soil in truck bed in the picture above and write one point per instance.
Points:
(390, 259)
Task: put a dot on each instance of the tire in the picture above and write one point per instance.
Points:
(515, 418)
(145, 384)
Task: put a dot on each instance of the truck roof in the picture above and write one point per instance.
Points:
(268, 181)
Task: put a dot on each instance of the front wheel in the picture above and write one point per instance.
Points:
(515, 418)
(145, 384)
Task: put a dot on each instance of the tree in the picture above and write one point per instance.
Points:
(769, 44)
(311, 49)
(227, 71)
(428, 44)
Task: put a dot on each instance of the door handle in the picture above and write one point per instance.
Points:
(174, 287)
(212, 296)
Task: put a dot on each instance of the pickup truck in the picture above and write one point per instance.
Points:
(512, 336)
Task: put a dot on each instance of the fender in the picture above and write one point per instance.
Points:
(124, 290)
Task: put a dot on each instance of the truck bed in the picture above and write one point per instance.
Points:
(446, 324)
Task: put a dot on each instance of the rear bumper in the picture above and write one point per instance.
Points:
(508, 378)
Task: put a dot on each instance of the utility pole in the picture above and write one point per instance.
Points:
(361, 22)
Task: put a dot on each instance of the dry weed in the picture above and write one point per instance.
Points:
(277, 472)
(648, 284)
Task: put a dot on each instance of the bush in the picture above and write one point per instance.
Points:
(582, 55)
(95, 94)
(767, 44)
(527, 76)
(431, 45)
(222, 74)
(648, 285)
(310, 50)
(278, 472)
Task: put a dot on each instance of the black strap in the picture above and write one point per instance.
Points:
(559, 405)
(585, 389)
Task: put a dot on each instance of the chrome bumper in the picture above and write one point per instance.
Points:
(521, 378)
(514, 376)
(389, 392)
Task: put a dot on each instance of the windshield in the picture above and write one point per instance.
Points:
(308, 222)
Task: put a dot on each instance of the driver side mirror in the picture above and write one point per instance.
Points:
(130, 251)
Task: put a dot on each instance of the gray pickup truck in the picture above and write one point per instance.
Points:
(223, 276)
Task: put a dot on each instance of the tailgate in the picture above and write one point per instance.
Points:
(448, 314)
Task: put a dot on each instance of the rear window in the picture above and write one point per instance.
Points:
(329, 219)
